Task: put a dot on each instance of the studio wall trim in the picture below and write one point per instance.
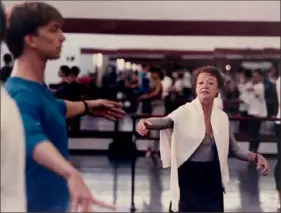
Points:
(172, 28)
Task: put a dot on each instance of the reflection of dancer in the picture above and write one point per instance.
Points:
(278, 134)
(34, 36)
(256, 109)
(152, 104)
(198, 147)
(12, 149)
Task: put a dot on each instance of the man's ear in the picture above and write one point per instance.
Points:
(30, 41)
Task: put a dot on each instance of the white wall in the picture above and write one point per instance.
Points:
(170, 42)
(86, 63)
(74, 42)
(169, 10)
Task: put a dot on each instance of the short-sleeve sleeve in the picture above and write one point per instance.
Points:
(62, 106)
(29, 107)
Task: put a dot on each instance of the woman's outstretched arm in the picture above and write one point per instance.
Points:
(159, 123)
(247, 155)
(144, 125)
(237, 152)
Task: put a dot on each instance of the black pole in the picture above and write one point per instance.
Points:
(133, 173)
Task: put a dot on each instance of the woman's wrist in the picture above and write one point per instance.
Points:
(253, 157)
(256, 158)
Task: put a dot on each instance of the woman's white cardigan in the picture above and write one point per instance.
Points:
(179, 143)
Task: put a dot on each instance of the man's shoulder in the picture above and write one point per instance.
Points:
(15, 87)
(22, 94)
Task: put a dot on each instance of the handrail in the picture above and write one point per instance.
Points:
(231, 118)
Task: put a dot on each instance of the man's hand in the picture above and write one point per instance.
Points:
(81, 197)
(104, 108)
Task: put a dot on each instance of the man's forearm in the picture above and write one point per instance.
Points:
(74, 108)
(48, 156)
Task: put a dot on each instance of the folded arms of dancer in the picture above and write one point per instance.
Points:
(159, 123)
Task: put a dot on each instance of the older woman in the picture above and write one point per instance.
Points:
(197, 148)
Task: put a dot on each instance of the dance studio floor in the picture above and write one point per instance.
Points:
(247, 191)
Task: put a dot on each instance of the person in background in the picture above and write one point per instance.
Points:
(231, 92)
(109, 82)
(64, 73)
(245, 83)
(187, 85)
(13, 198)
(6, 70)
(72, 91)
(70, 88)
(272, 75)
(143, 80)
(277, 171)
(154, 94)
(256, 108)
(133, 82)
(167, 84)
(270, 91)
(178, 90)
(53, 184)
(153, 104)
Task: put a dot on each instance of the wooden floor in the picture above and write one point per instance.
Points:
(247, 191)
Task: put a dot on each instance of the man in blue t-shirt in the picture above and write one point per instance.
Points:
(50, 179)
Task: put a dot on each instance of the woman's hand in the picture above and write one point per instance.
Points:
(142, 127)
(262, 165)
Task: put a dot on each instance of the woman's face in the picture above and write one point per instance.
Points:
(154, 75)
(242, 78)
(206, 87)
(257, 77)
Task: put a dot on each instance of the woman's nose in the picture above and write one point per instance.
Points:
(205, 85)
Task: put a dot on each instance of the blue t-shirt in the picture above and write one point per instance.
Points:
(144, 83)
(44, 120)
